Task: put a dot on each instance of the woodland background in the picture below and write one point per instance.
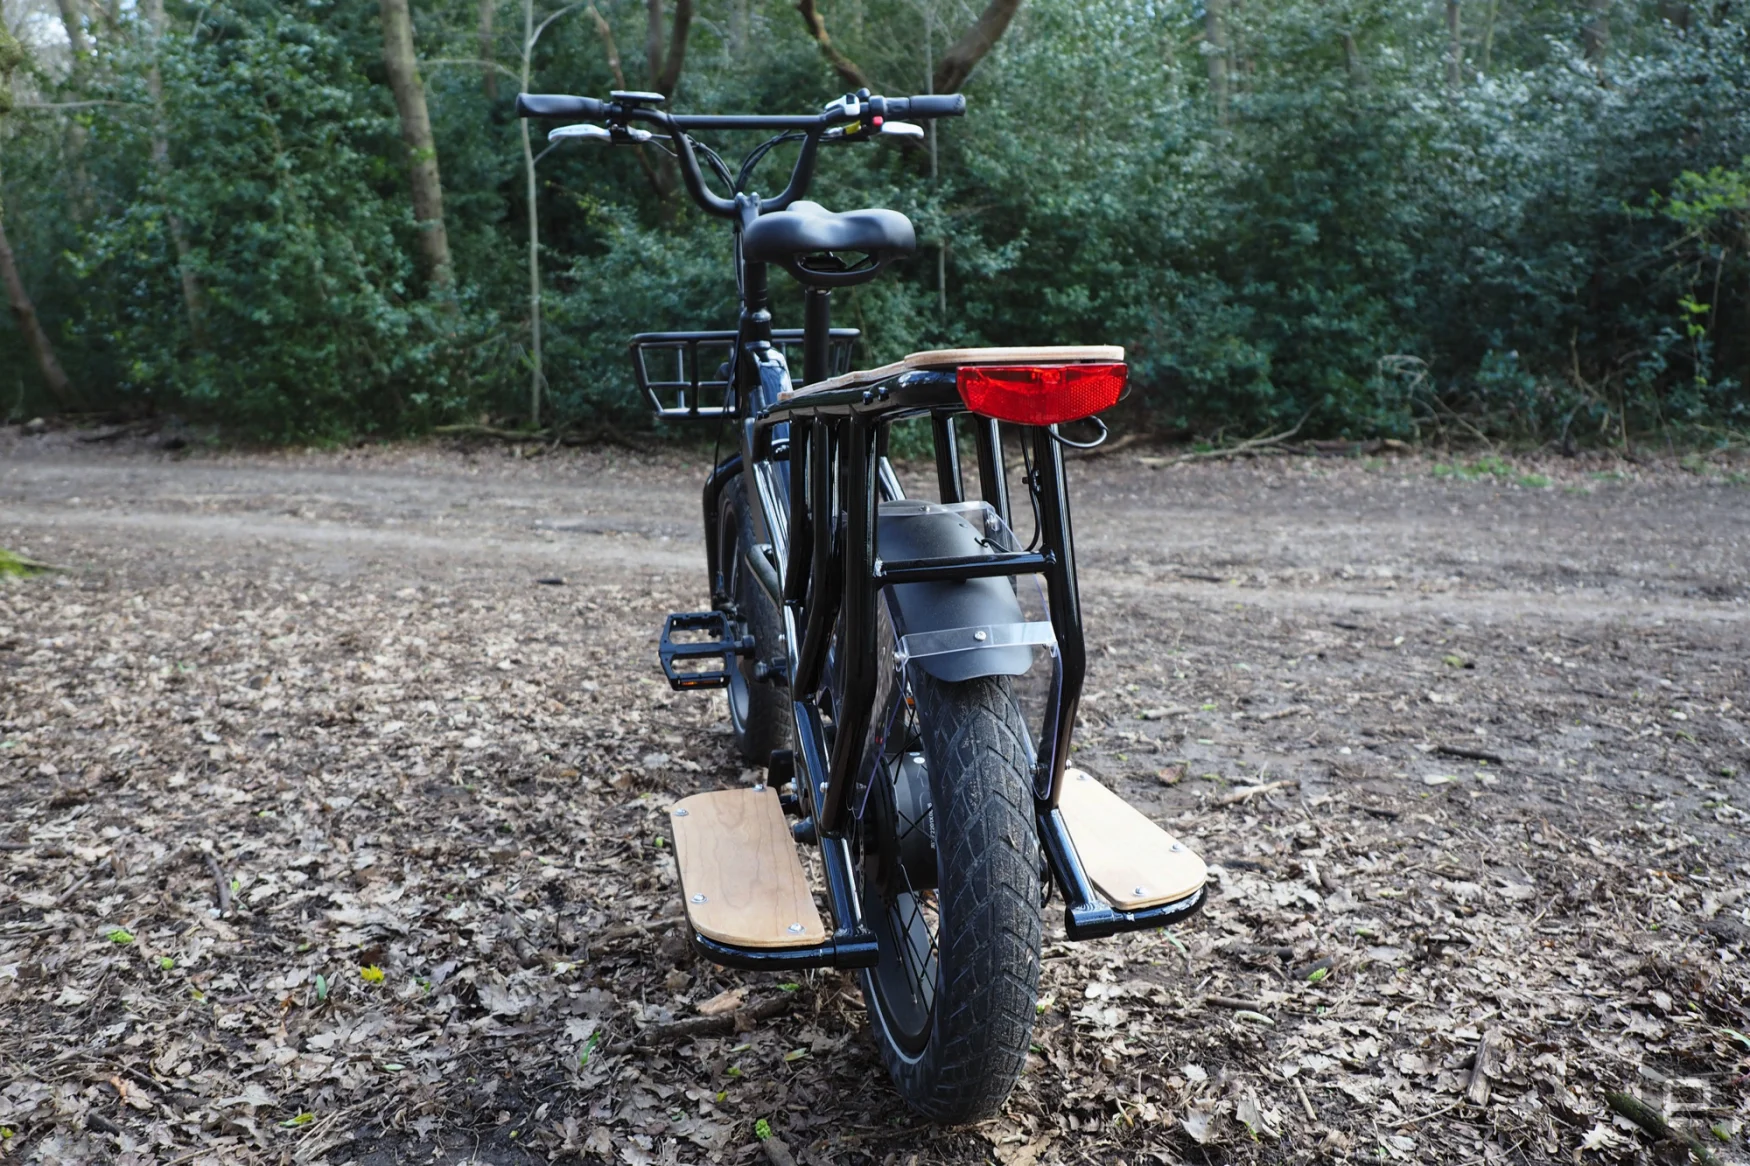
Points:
(311, 220)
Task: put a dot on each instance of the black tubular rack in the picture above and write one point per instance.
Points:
(678, 390)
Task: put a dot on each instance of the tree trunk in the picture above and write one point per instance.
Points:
(192, 300)
(847, 69)
(1454, 47)
(676, 58)
(488, 74)
(537, 361)
(25, 313)
(665, 70)
(1597, 36)
(653, 40)
(658, 178)
(1215, 38)
(422, 160)
(1489, 34)
(959, 61)
(73, 17)
(1352, 61)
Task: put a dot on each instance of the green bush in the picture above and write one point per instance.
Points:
(1557, 247)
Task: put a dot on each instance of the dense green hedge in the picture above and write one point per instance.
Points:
(1558, 245)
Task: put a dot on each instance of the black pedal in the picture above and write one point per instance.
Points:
(715, 625)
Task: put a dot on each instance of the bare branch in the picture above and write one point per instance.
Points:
(607, 35)
(677, 48)
(957, 64)
(73, 104)
(654, 175)
(847, 69)
(472, 63)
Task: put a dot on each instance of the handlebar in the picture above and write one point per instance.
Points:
(858, 108)
(938, 105)
(557, 105)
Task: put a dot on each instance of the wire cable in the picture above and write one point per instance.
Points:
(1072, 444)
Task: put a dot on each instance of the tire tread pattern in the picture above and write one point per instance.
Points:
(990, 930)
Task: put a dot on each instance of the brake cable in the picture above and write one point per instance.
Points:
(718, 165)
(1073, 444)
(760, 151)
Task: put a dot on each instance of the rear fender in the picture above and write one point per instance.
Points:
(924, 530)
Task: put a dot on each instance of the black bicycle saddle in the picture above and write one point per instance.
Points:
(806, 240)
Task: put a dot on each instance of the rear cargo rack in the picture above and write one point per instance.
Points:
(672, 367)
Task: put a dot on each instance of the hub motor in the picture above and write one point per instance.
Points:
(903, 826)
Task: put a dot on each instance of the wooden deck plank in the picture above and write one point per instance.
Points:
(955, 357)
(741, 879)
(1129, 859)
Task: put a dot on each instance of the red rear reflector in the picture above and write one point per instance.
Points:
(1041, 396)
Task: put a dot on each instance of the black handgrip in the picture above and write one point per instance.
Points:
(557, 105)
(939, 105)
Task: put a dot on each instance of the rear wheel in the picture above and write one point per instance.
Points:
(758, 712)
(948, 870)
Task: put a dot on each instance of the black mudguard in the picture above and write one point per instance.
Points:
(923, 530)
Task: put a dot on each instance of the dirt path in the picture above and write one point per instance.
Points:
(1495, 733)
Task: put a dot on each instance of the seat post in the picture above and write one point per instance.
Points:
(816, 334)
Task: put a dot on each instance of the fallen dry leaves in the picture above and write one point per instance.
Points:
(320, 859)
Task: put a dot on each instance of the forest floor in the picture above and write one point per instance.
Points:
(331, 833)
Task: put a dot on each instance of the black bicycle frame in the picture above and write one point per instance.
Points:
(834, 573)
(817, 544)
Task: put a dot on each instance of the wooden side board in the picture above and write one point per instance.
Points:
(1130, 860)
(955, 357)
(741, 880)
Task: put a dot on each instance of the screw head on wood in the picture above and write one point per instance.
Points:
(1137, 891)
(1177, 846)
(699, 899)
(681, 813)
(795, 929)
(759, 787)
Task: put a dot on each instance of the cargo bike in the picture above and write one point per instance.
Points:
(878, 651)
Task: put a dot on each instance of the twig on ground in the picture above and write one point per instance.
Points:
(82, 880)
(1251, 447)
(1234, 1002)
(1246, 793)
(491, 431)
(1470, 754)
(223, 885)
(1477, 1091)
(1306, 1102)
(721, 1025)
(1410, 1121)
(1650, 1120)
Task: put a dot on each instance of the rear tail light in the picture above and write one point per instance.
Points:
(1041, 396)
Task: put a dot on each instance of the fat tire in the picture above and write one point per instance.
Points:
(766, 723)
(989, 927)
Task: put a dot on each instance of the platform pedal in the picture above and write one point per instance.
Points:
(715, 625)
(1131, 861)
(741, 880)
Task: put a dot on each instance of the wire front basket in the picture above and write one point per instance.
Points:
(671, 367)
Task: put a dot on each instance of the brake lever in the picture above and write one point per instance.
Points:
(908, 131)
(613, 135)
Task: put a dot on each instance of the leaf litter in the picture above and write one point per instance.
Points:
(384, 837)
